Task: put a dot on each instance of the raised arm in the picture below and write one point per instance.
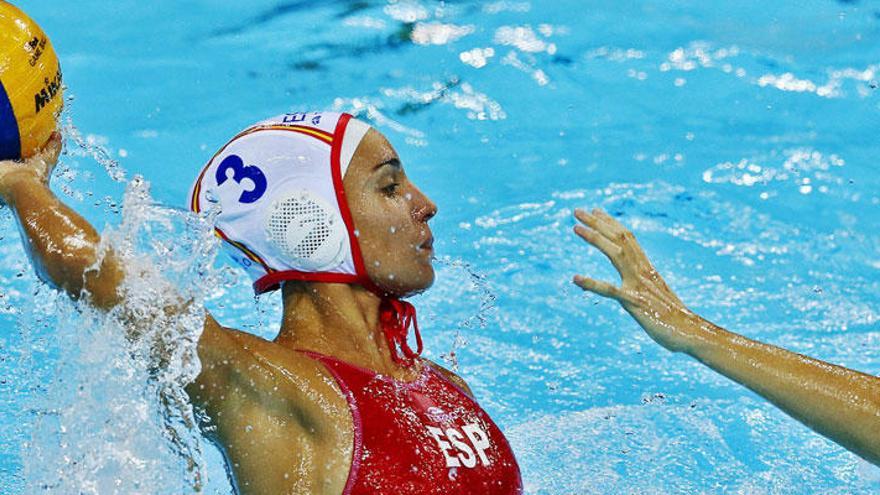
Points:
(840, 403)
(67, 252)
(62, 245)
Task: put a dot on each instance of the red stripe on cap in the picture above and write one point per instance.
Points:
(336, 173)
(195, 200)
(273, 281)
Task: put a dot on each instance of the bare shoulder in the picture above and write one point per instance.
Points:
(272, 407)
(451, 376)
(240, 368)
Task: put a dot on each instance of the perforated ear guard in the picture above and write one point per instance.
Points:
(307, 229)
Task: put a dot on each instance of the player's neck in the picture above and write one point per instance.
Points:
(337, 320)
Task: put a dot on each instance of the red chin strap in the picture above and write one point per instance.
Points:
(396, 316)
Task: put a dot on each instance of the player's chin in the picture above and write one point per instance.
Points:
(420, 279)
(427, 279)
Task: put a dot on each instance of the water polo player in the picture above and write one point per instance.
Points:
(842, 404)
(318, 206)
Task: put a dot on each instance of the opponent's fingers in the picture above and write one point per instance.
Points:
(607, 247)
(604, 289)
(614, 228)
(622, 237)
(592, 222)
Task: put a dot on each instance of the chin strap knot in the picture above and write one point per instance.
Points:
(396, 316)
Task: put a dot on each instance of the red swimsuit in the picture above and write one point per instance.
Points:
(425, 437)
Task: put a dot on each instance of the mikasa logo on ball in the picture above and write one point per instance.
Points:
(307, 229)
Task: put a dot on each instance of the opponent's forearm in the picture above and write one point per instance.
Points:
(63, 246)
(840, 403)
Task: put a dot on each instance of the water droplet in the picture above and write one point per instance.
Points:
(211, 195)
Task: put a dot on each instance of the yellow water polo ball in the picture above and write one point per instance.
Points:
(30, 85)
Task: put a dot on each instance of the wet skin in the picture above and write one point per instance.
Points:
(279, 417)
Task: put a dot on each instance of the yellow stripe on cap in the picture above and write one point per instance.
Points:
(309, 131)
(244, 249)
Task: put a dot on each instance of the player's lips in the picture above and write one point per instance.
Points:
(428, 244)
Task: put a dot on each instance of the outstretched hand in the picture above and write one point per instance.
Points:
(38, 167)
(643, 292)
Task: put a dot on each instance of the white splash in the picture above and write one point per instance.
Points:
(477, 57)
(806, 168)
(366, 22)
(115, 417)
(91, 146)
(373, 110)
(406, 11)
(788, 82)
(436, 33)
(506, 6)
(616, 54)
(538, 75)
(524, 39)
(478, 105)
(697, 54)
(831, 88)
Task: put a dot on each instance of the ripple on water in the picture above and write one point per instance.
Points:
(663, 446)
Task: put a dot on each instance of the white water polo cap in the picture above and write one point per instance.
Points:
(283, 213)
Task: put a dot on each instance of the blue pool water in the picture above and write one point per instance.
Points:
(737, 139)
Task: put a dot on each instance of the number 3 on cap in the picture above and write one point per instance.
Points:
(241, 172)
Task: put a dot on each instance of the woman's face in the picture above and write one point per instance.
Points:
(391, 217)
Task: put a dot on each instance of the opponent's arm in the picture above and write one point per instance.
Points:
(840, 403)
